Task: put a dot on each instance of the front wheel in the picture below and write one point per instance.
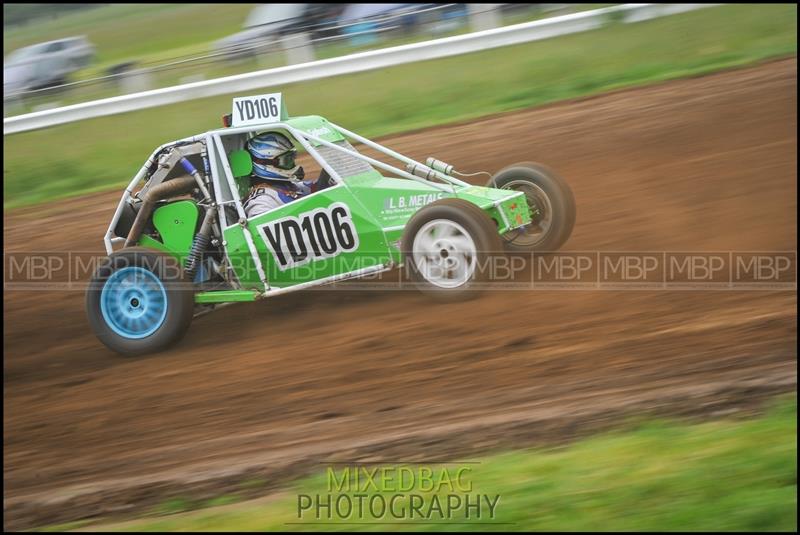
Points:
(447, 249)
(551, 204)
(139, 301)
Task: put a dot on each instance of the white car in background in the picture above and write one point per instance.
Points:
(267, 23)
(45, 64)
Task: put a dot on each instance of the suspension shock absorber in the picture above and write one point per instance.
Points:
(189, 168)
(438, 165)
(200, 243)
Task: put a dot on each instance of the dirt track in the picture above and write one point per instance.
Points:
(272, 388)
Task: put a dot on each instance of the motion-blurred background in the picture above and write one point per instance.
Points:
(82, 52)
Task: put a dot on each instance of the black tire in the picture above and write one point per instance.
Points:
(163, 300)
(558, 200)
(480, 229)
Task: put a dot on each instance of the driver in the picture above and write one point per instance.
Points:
(276, 179)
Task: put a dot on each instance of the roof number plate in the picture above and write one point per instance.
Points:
(255, 110)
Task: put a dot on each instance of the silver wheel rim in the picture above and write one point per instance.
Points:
(538, 201)
(444, 253)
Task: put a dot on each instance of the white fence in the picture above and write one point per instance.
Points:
(375, 59)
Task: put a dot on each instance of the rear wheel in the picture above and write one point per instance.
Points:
(447, 249)
(139, 301)
(551, 204)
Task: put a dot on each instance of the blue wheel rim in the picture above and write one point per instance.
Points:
(133, 302)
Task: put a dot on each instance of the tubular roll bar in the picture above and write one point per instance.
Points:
(214, 146)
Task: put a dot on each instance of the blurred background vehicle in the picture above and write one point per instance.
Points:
(267, 23)
(45, 64)
(361, 22)
(365, 24)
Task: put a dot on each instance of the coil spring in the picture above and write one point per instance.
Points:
(199, 246)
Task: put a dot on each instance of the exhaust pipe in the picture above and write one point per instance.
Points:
(176, 186)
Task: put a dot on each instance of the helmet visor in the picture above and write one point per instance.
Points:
(284, 161)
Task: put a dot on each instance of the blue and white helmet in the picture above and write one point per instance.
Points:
(273, 156)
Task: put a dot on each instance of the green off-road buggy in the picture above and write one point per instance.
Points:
(187, 246)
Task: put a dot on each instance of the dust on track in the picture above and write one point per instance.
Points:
(272, 388)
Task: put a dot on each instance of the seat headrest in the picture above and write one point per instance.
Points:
(241, 163)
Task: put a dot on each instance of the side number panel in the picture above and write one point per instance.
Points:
(315, 235)
(325, 234)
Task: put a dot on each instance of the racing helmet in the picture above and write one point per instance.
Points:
(273, 157)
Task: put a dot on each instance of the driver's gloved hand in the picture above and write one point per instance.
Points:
(324, 180)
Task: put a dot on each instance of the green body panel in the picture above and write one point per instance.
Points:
(378, 206)
(346, 228)
(364, 217)
(150, 243)
(241, 163)
(513, 205)
(370, 247)
(241, 261)
(393, 201)
(176, 223)
(225, 296)
(316, 126)
(241, 166)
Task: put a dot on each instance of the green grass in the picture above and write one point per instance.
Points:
(105, 152)
(718, 476)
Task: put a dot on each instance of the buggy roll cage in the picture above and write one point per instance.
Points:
(215, 151)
